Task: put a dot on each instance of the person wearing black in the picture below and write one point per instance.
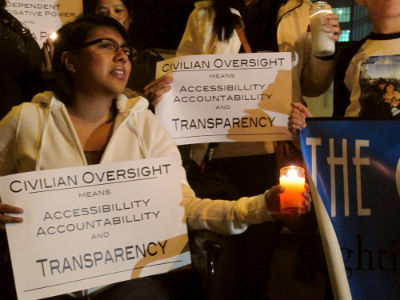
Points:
(20, 79)
(21, 62)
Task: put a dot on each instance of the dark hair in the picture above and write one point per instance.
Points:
(71, 37)
(225, 20)
(2, 3)
(89, 6)
(261, 25)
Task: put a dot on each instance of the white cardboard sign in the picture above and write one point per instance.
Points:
(227, 98)
(90, 226)
(43, 17)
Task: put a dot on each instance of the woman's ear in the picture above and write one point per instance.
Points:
(68, 61)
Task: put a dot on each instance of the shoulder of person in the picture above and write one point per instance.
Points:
(44, 98)
(296, 4)
(127, 104)
(203, 4)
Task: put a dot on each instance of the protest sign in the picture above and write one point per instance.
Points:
(227, 98)
(90, 226)
(43, 17)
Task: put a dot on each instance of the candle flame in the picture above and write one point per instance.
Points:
(292, 172)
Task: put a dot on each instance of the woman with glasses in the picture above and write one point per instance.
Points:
(78, 118)
(146, 59)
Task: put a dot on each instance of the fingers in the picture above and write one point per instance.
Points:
(302, 109)
(6, 209)
(48, 53)
(331, 26)
(307, 197)
(297, 118)
(158, 94)
(157, 88)
(272, 198)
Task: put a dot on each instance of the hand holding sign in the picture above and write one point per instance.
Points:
(155, 90)
(297, 118)
(6, 209)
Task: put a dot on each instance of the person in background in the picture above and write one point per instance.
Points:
(146, 58)
(226, 169)
(21, 77)
(92, 62)
(382, 46)
(21, 62)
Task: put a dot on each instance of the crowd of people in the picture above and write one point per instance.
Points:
(93, 79)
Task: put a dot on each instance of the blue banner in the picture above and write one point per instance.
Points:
(355, 165)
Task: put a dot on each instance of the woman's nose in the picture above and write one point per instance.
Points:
(121, 56)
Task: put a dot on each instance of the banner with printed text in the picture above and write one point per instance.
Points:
(43, 17)
(355, 166)
(227, 98)
(90, 226)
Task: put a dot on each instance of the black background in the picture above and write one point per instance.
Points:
(160, 24)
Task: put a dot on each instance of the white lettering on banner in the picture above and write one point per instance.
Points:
(314, 142)
(358, 161)
(334, 161)
(398, 177)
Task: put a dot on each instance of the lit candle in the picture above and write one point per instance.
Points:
(293, 180)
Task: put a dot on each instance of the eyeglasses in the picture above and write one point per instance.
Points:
(109, 45)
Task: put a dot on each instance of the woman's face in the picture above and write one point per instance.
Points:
(114, 9)
(99, 68)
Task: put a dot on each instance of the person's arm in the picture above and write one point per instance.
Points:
(8, 132)
(191, 42)
(317, 72)
(233, 217)
(222, 216)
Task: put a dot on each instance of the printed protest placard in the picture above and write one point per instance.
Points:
(43, 17)
(227, 98)
(90, 226)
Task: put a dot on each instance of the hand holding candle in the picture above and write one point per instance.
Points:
(293, 180)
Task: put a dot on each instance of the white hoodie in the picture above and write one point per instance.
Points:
(40, 135)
